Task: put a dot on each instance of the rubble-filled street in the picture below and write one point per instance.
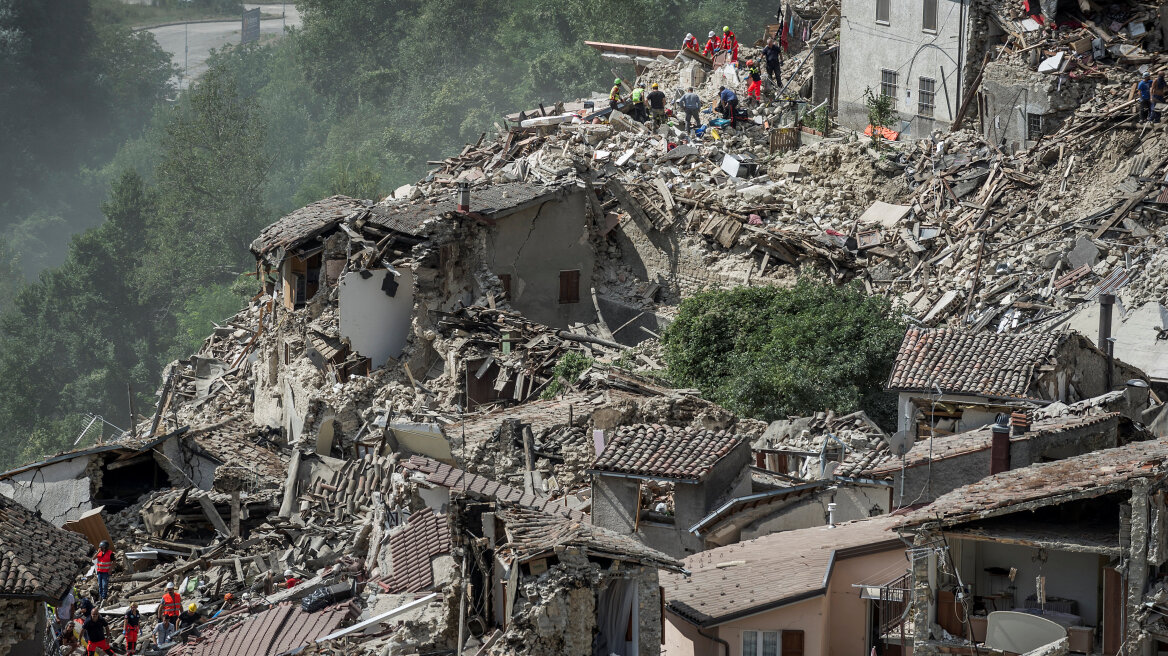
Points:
(445, 422)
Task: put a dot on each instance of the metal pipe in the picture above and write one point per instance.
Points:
(725, 645)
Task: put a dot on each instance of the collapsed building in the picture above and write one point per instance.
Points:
(444, 413)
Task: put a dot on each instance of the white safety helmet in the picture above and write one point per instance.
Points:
(287, 573)
(711, 34)
(689, 35)
(170, 586)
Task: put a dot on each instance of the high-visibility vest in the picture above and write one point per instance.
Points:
(171, 604)
(615, 93)
(638, 95)
(105, 561)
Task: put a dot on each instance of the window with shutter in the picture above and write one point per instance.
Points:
(570, 286)
(792, 643)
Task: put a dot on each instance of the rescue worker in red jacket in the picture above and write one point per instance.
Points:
(131, 627)
(730, 42)
(711, 45)
(103, 564)
(691, 42)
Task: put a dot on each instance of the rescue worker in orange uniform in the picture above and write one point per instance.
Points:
(730, 42)
(103, 564)
(711, 45)
(690, 42)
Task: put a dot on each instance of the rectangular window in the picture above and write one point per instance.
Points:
(888, 85)
(570, 286)
(882, 11)
(929, 16)
(1033, 127)
(926, 97)
(760, 643)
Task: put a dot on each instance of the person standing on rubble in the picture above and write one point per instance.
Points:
(657, 105)
(94, 633)
(614, 95)
(771, 54)
(103, 564)
(730, 42)
(691, 103)
(1159, 94)
(728, 104)
(711, 45)
(171, 606)
(638, 100)
(754, 89)
(162, 631)
(130, 628)
(1145, 89)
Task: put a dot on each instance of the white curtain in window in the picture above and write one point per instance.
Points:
(750, 643)
(614, 607)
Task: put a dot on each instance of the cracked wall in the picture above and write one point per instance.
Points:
(60, 492)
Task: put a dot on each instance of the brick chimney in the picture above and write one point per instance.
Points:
(999, 448)
(1019, 422)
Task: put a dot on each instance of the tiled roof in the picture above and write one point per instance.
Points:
(979, 439)
(307, 222)
(424, 536)
(982, 363)
(271, 632)
(233, 443)
(686, 454)
(541, 414)
(531, 533)
(752, 576)
(492, 201)
(1084, 476)
(37, 559)
(444, 475)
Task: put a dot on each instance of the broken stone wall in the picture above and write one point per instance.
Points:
(534, 246)
(1012, 92)
(23, 622)
(60, 492)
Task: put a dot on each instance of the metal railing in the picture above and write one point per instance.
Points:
(894, 604)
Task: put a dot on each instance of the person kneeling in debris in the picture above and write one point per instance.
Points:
(657, 105)
(728, 105)
(130, 628)
(290, 580)
(189, 621)
(94, 633)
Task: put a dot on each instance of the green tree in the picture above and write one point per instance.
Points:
(210, 183)
(768, 352)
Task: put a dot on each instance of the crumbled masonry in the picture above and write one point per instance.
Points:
(447, 412)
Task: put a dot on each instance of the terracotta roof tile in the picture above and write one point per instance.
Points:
(983, 363)
(236, 442)
(439, 473)
(665, 451)
(531, 533)
(307, 222)
(1087, 475)
(37, 559)
(754, 575)
(492, 201)
(274, 631)
(425, 536)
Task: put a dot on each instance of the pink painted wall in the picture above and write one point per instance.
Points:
(833, 625)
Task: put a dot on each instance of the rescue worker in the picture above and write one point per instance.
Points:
(711, 45)
(1145, 89)
(189, 621)
(93, 631)
(730, 42)
(614, 96)
(133, 623)
(229, 602)
(638, 100)
(754, 89)
(772, 53)
(171, 606)
(692, 104)
(657, 105)
(691, 42)
(290, 580)
(103, 564)
(728, 105)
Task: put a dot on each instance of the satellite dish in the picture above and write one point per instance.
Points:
(900, 442)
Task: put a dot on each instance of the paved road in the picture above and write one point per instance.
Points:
(191, 43)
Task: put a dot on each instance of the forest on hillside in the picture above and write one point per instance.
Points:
(126, 207)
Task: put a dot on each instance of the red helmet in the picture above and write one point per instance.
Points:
(750, 62)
